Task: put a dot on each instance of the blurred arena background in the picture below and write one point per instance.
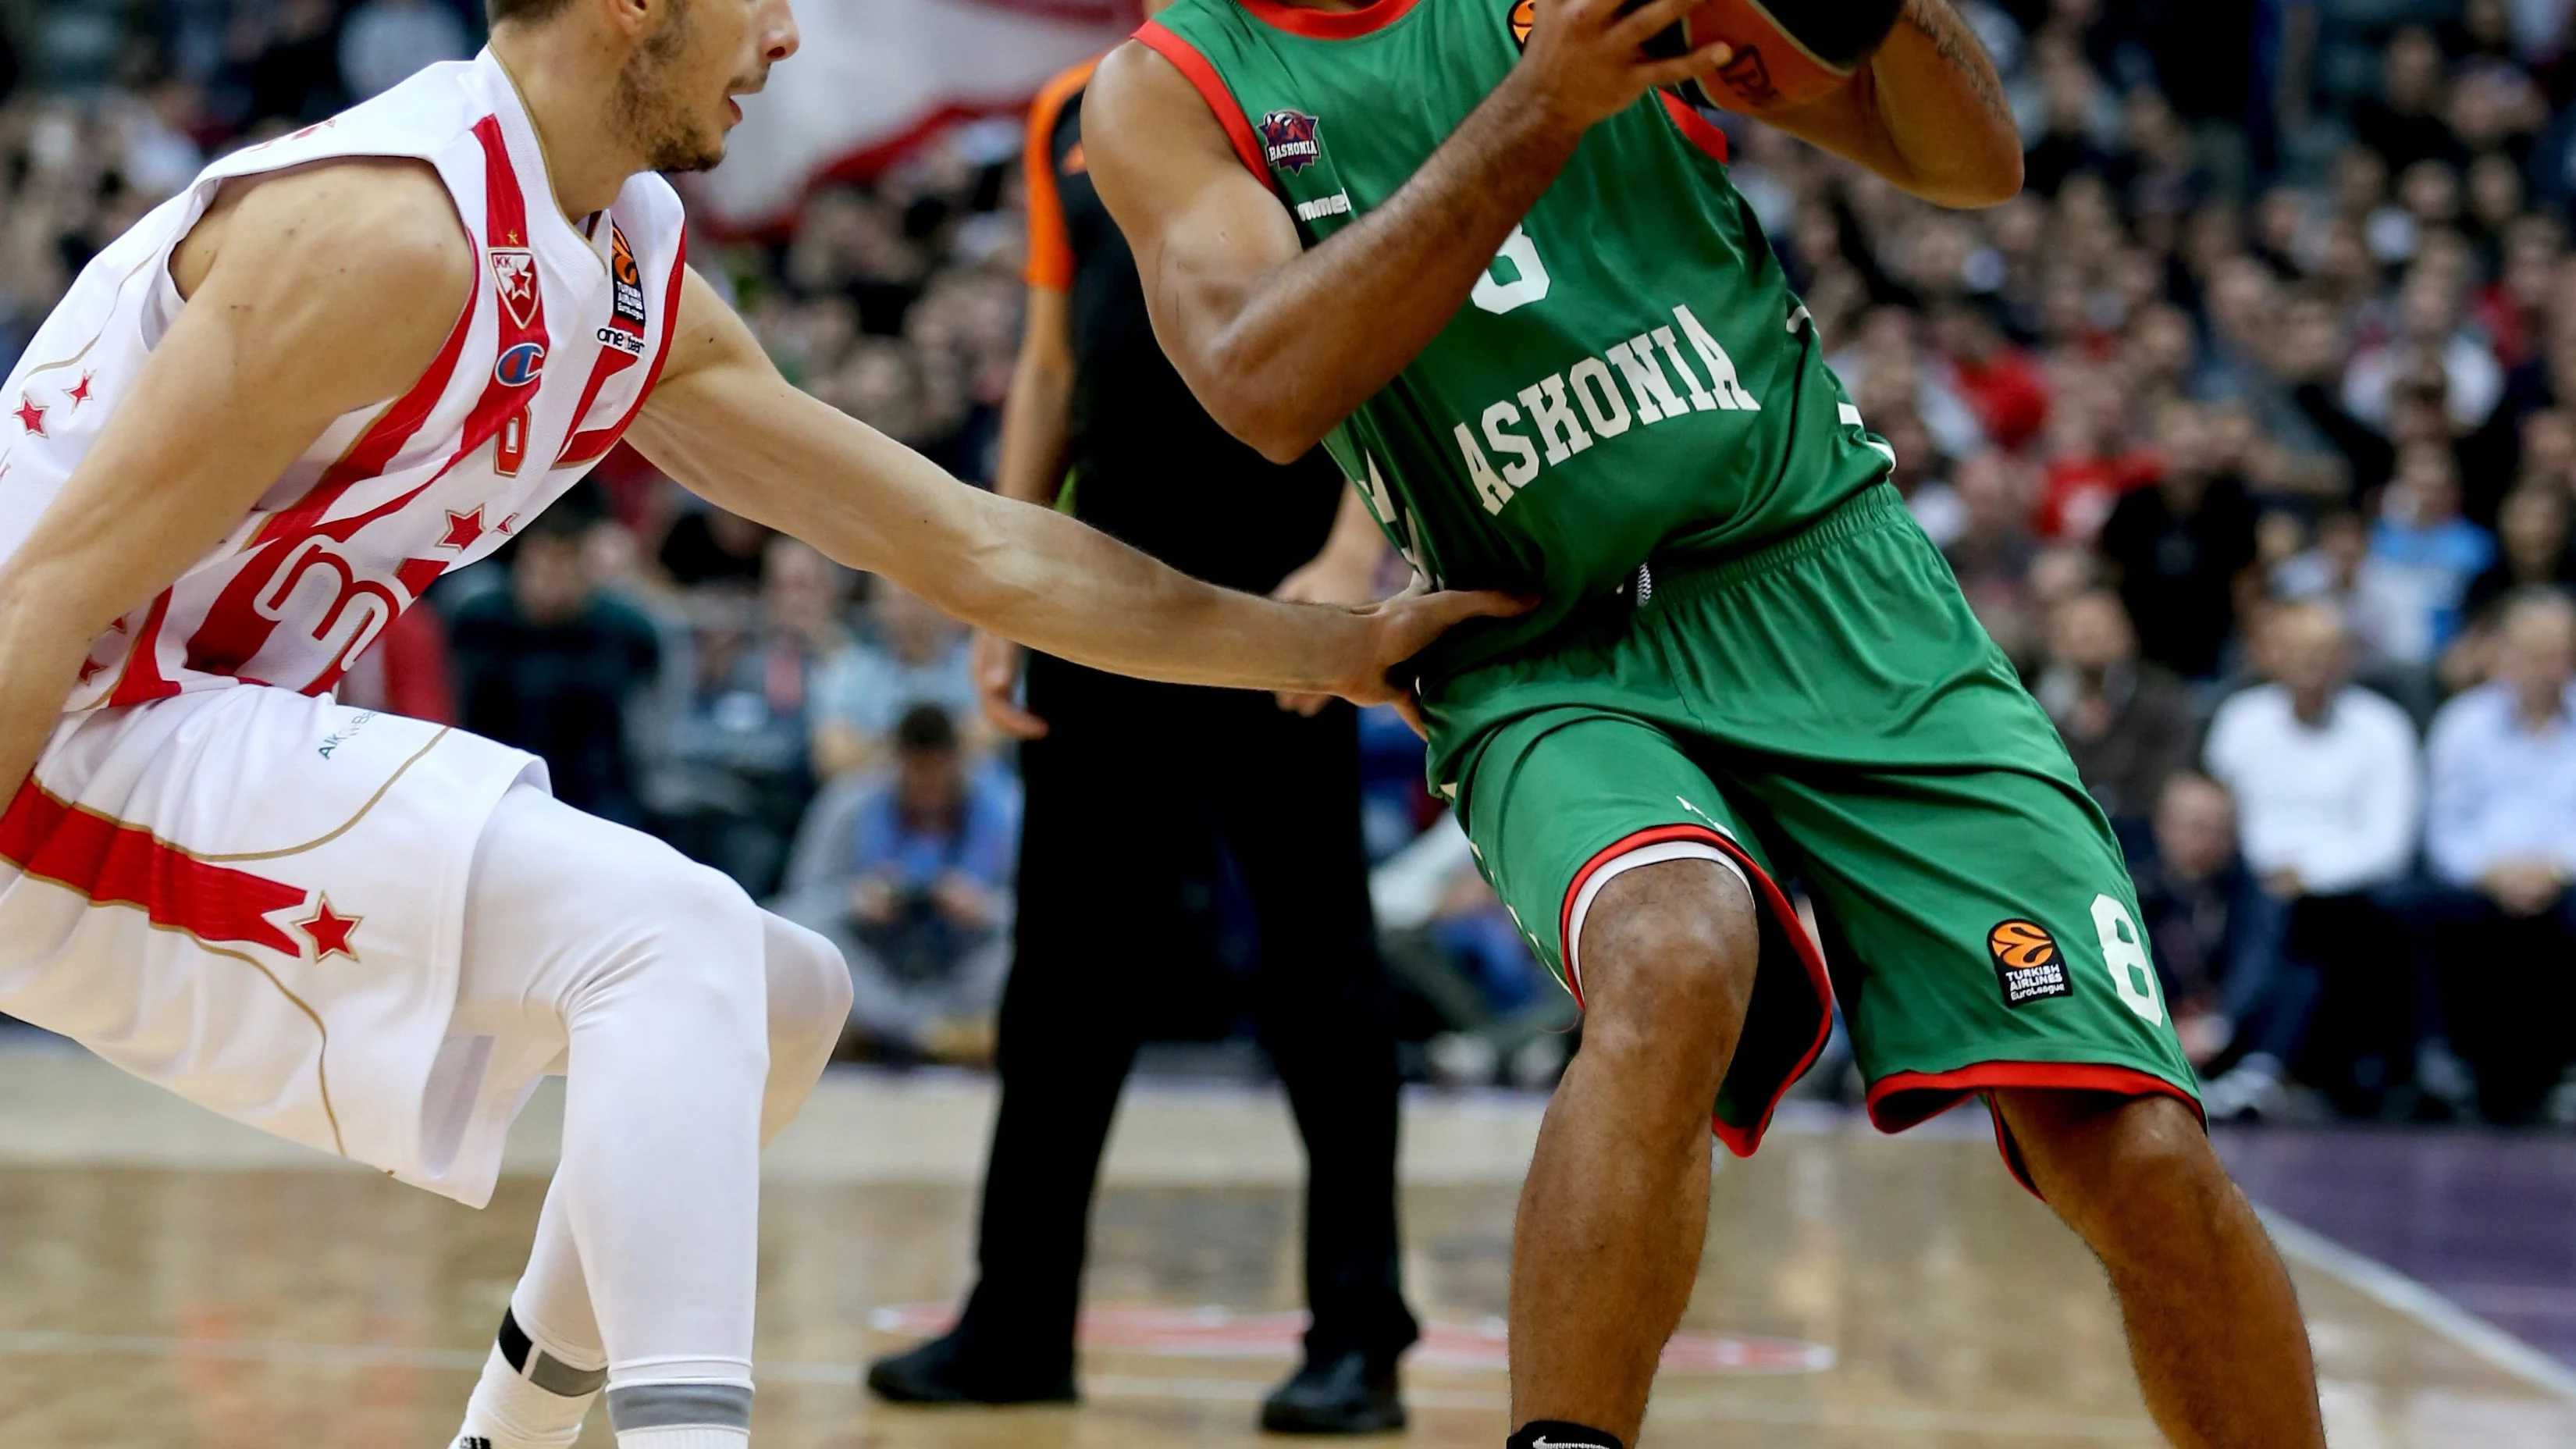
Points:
(2250, 428)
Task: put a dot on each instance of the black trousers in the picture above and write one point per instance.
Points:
(1133, 784)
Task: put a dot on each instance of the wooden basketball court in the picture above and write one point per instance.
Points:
(170, 1282)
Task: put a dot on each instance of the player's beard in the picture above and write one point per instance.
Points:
(648, 109)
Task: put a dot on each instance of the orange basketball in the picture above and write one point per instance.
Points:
(1787, 54)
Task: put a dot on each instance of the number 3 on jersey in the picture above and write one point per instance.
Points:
(1519, 260)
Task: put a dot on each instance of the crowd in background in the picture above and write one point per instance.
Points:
(2249, 429)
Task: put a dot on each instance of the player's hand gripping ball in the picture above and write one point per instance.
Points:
(1787, 53)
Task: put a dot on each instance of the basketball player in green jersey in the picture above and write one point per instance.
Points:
(1479, 254)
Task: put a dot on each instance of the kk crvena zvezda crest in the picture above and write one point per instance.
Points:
(514, 272)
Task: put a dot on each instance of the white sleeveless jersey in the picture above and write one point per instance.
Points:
(565, 334)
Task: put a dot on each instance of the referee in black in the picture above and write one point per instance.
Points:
(1128, 783)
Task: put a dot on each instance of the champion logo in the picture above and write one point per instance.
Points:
(520, 365)
(514, 274)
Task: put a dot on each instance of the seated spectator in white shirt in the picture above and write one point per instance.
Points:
(913, 655)
(2500, 835)
(2327, 783)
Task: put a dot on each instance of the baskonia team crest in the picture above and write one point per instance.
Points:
(2027, 961)
(1288, 139)
(1524, 19)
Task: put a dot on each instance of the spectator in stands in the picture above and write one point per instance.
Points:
(2421, 533)
(2129, 725)
(929, 899)
(711, 546)
(383, 41)
(2217, 937)
(2403, 123)
(2535, 547)
(551, 664)
(1993, 550)
(2327, 781)
(2501, 836)
(1458, 957)
(2382, 605)
(912, 654)
(735, 771)
(295, 77)
(2180, 546)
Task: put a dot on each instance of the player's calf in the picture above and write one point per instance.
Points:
(2214, 1327)
(1616, 1205)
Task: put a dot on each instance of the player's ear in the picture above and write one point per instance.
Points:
(633, 19)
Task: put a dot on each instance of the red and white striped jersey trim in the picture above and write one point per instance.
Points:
(554, 355)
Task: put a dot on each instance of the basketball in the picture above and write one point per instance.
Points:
(1785, 57)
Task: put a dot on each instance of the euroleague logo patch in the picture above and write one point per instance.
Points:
(2027, 961)
(1288, 139)
(1524, 19)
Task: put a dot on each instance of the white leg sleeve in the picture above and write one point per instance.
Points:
(682, 1057)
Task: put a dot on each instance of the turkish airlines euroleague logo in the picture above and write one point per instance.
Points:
(1524, 19)
(2027, 961)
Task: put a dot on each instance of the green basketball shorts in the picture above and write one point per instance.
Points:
(1825, 709)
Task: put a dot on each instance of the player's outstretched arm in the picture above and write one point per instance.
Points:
(1927, 113)
(312, 294)
(726, 425)
(1281, 344)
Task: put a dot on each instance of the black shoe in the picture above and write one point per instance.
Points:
(938, 1373)
(1339, 1395)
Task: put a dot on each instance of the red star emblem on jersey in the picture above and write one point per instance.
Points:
(89, 670)
(514, 274)
(30, 416)
(330, 931)
(80, 394)
(464, 530)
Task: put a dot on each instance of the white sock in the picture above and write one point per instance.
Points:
(518, 1406)
(690, 1438)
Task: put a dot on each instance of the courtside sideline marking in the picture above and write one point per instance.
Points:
(2399, 1293)
(2058, 1428)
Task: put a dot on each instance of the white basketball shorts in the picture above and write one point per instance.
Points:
(256, 899)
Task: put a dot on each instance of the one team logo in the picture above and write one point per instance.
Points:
(520, 365)
(1288, 138)
(2027, 962)
(514, 274)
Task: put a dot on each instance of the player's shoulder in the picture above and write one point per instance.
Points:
(388, 218)
(364, 235)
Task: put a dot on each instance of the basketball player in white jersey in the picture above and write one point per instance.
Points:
(257, 428)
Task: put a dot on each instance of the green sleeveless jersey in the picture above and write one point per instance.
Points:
(1632, 379)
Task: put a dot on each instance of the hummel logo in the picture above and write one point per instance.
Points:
(1544, 1442)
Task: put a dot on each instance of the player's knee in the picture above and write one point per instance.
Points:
(809, 985)
(1667, 961)
(700, 948)
(2130, 1174)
